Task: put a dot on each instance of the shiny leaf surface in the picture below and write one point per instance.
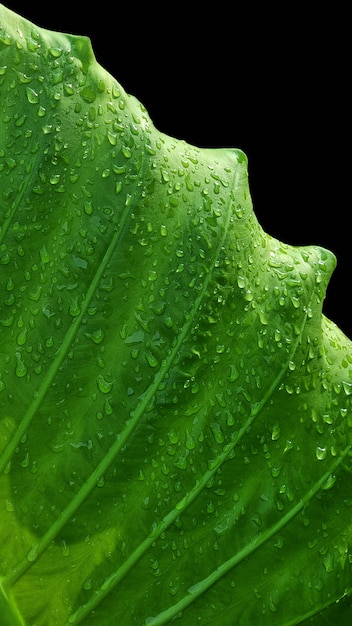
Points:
(175, 409)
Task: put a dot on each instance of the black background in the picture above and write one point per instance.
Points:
(271, 79)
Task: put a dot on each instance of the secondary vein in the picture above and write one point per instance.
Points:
(122, 438)
(182, 505)
(201, 586)
(63, 349)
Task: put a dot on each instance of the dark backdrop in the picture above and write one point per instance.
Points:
(272, 81)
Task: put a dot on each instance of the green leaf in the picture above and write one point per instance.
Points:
(175, 409)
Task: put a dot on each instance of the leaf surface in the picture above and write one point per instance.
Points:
(175, 409)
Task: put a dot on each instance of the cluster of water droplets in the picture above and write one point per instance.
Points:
(152, 342)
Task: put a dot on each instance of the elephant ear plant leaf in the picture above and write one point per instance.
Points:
(175, 408)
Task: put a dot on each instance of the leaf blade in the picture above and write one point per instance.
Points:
(175, 333)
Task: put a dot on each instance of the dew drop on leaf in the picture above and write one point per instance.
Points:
(173, 436)
(275, 433)
(9, 505)
(74, 308)
(328, 563)
(273, 603)
(347, 387)
(151, 359)
(22, 337)
(329, 483)
(190, 443)
(105, 386)
(21, 368)
(217, 432)
(32, 555)
(320, 453)
(96, 336)
(65, 549)
(32, 96)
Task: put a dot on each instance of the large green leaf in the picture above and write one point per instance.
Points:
(175, 409)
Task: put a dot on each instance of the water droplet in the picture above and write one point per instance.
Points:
(56, 52)
(273, 602)
(168, 321)
(54, 179)
(126, 151)
(32, 96)
(21, 368)
(68, 89)
(151, 359)
(277, 335)
(9, 505)
(173, 437)
(65, 550)
(105, 386)
(22, 337)
(74, 308)
(347, 387)
(190, 443)
(88, 94)
(279, 543)
(152, 275)
(88, 207)
(112, 138)
(108, 410)
(165, 176)
(118, 187)
(275, 433)
(10, 284)
(32, 555)
(330, 481)
(96, 336)
(217, 432)
(320, 453)
(44, 256)
(5, 38)
(328, 562)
